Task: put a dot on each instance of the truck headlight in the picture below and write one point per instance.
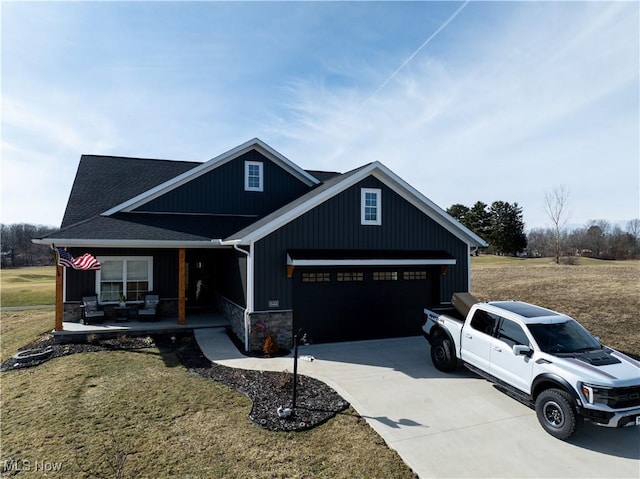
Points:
(595, 394)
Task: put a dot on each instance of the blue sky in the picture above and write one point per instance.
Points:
(477, 101)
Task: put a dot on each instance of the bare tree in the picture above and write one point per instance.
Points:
(556, 205)
(540, 242)
(598, 234)
(16, 248)
(633, 227)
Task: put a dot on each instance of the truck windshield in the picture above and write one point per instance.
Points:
(566, 337)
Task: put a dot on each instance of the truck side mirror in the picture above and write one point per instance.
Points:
(522, 350)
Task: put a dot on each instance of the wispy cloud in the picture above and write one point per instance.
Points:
(524, 112)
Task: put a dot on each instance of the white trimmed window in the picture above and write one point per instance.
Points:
(128, 276)
(253, 178)
(371, 206)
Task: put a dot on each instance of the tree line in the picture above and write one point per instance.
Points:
(501, 226)
(17, 248)
(596, 239)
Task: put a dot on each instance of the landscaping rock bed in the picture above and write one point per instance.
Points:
(22, 359)
(316, 402)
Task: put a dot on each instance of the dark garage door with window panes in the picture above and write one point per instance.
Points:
(355, 303)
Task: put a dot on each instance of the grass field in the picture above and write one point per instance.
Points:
(603, 295)
(27, 286)
(87, 411)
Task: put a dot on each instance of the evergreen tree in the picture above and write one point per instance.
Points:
(459, 212)
(479, 220)
(507, 228)
(476, 218)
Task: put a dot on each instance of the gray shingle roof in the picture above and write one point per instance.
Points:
(153, 227)
(102, 182)
(323, 175)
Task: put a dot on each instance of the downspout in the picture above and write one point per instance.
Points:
(470, 251)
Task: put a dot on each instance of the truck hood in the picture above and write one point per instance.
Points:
(605, 367)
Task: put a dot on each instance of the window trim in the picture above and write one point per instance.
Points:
(247, 176)
(377, 192)
(123, 259)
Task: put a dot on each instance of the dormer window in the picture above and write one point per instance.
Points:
(253, 178)
(371, 206)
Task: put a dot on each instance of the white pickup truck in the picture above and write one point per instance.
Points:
(543, 358)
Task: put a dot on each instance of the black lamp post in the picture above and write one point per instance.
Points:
(295, 366)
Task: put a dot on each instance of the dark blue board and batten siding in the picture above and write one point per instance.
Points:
(221, 191)
(165, 272)
(335, 224)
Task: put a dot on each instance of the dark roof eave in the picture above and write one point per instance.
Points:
(129, 243)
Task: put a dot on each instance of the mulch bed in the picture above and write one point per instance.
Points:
(269, 392)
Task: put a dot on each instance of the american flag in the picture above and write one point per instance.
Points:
(85, 262)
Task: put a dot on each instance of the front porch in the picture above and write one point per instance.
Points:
(74, 331)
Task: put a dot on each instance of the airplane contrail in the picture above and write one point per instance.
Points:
(424, 44)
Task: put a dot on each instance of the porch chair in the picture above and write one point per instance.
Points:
(149, 311)
(91, 312)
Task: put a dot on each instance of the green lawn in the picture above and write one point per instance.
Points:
(87, 411)
(27, 286)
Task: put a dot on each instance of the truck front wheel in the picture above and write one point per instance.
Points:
(442, 355)
(556, 413)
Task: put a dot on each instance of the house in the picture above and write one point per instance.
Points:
(275, 247)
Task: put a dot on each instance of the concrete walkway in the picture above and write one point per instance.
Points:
(445, 425)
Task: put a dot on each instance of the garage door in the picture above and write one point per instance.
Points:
(347, 304)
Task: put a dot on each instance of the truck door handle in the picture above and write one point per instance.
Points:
(496, 348)
(467, 335)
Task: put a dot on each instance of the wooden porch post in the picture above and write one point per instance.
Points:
(182, 286)
(59, 298)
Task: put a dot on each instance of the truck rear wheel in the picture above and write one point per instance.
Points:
(556, 414)
(442, 355)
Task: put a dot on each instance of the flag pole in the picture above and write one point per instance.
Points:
(59, 292)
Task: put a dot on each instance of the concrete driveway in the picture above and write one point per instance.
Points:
(445, 425)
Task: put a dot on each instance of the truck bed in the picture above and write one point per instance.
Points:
(460, 305)
(449, 311)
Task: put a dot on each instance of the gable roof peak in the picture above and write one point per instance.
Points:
(253, 144)
(336, 185)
